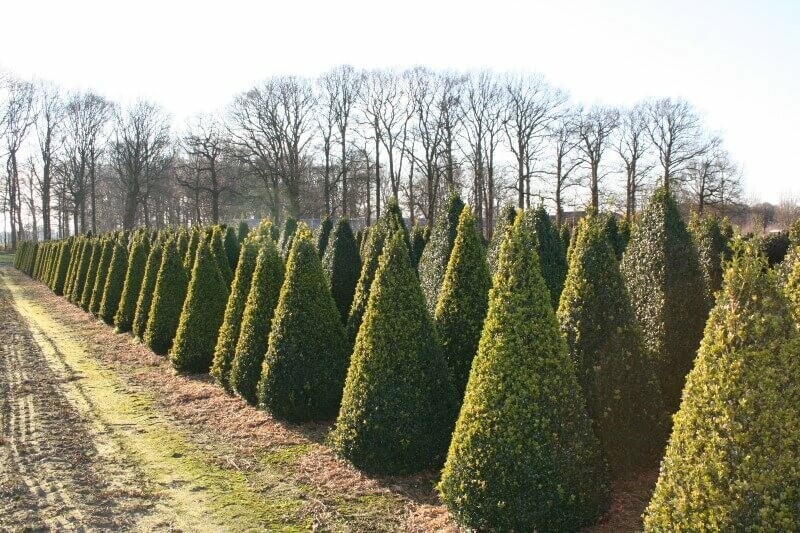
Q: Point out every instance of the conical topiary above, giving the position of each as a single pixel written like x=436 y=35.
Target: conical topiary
x=434 y=258
x=304 y=367
x=504 y=222
x=462 y=301
x=112 y=293
x=523 y=455
x=201 y=316
x=417 y=244
x=666 y=287
x=91 y=273
x=712 y=249
x=83 y=269
x=145 y=298
x=195 y=236
x=552 y=256
x=323 y=235
x=74 y=253
x=218 y=250
x=62 y=264
x=169 y=293
x=234 y=309
x=373 y=249
x=732 y=460
x=605 y=344
x=612 y=231
x=342 y=264
x=262 y=298
x=134 y=276
x=242 y=232
x=231 y=244
x=792 y=286
x=398 y=405
x=101 y=276
x=285 y=242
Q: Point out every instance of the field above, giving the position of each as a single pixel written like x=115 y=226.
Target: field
x=98 y=430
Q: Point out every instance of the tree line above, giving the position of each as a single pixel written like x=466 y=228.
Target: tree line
x=342 y=144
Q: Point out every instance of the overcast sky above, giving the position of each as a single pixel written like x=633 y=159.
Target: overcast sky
x=736 y=60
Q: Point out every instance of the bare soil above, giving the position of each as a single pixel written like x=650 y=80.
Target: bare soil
x=100 y=433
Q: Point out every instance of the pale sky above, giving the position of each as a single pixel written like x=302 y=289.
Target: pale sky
x=736 y=60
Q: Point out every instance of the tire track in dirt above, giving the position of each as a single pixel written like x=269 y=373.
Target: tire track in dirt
x=52 y=475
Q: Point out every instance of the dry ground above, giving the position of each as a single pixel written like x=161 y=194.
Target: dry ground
x=99 y=433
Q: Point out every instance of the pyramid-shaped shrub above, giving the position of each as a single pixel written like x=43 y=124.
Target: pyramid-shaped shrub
x=552 y=256
x=262 y=298
x=115 y=281
x=145 y=299
x=508 y=214
x=74 y=253
x=231 y=244
x=342 y=264
x=436 y=254
x=304 y=367
x=168 y=295
x=373 y=248
x=102 y=275
x=234 y=309
x=732 y=460
x=201 y=316
x=666 y=287
x=523 y=455
x=712 y=248
x=220 y=253
x=323 y=234
x=195 y=236
x=134 y=276
x=417 y=244
x=78 y=286
x=463 y=301
x=287 y=234
x=242 y=232
x=398 y=405
x=605 y=344
x=792 y=287
x=62 y=264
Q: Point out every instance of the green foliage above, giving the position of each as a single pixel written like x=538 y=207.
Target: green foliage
x=231 y=244
x=323 y=235
x=62 y=264
x=169 y=294
x=74 y=257
x=201 y=316
x=552 y=256
x=262 y=298
x=305 y=363
x=220 y=253
x=775 y=246
x=462 y=301
x=614 y=235
x=523 y=455
x=287 y=235
x=433 y=262
x=662 y=272
x=342 y=265
x=792 y=286
x=232 y=319
x=83 y=269
x=712 y=248
x=605 y=345
x=134 y=276
x=144 y=300
x=101 y=276
x=195 y=236
x=732 y=460
x=373 y=248
x=794 y=233
x=417 y=244
x=398 y=405
x=242 y=232
x=115 y=280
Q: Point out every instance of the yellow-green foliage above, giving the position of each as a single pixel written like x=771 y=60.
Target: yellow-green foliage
x=168 y=296
x=134 y=276
x=242 y=232
x=373 y=248
x=662 y=273
x=605 y=344
x=83 y=271
x=232 y=319
x=287 y=235
x=112 y=293
x=732 y=460
x=201 y=316
x=62 y=264
x=550 y=250
x=231 y=245
x=792 y=286
x=398 y=405
x=342 y=264
x=259 y=308
x=219 y=251
x=463 y=301
x=523 y=455
x=74 y=253
x=323 y=233
x=712 y=249
x=145 y=298
x=304 y=367
x=101 y=275
x=436 y=254
x=195 y=236
x=417 y=244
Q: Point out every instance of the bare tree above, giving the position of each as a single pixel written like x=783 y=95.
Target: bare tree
x=631 y=145
x=19 y=115
x=594 y=130
x=86 y=115
x=676 y=131
x=428 y=136
x=141 y=140
x=531 y=104
x=563 y=143
x=50 y=117
x=711 y=178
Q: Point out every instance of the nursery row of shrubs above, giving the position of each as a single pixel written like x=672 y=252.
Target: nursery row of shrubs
x=534 y=368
